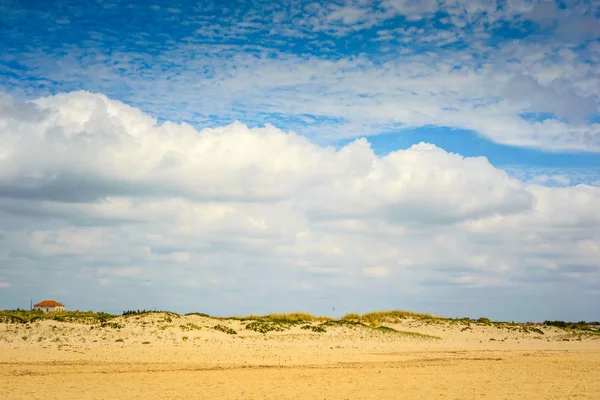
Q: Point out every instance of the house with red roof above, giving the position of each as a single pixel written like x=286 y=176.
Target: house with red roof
x=49 y=306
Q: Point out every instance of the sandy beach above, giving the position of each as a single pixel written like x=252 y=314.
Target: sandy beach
x=166 y=356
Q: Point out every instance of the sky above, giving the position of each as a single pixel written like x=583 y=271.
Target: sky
x=229 y=157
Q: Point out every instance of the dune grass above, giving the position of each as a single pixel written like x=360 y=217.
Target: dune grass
x=279 y=322
x=130 y=313
x=283 y=318
x=225 y=329
x=378 y=317
x=375 y=327
x=28 y=316
x=386 y=329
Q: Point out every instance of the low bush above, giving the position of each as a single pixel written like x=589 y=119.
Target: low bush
x=29 y=316
x=265 y=326
x=225 y=329
x=112 y=325
x=314 y=328
x=558 y=324
x=198 y=314
x=190 y=327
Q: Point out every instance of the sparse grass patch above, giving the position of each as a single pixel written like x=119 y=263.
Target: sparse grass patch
x=190 y=327
x=376 y=318
x=198 y=314
x=314 y=328
x=267 y=326
x=112 y=325
x=344 y=322
x=387 y=329
x=291 y=318
x=225 y=329
x=351 y=317
x=536 y=330
x=144 y=312
x=283 y=318
x=29 y=316
x=384 y=329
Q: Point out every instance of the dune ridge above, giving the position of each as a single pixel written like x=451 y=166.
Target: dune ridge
x=295 y=355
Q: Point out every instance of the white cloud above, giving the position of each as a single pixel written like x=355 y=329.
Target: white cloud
x=127 y=272
x=104 y=194
x=376 y=272
x=559 y=179
x=4 y=285
x=418 y=81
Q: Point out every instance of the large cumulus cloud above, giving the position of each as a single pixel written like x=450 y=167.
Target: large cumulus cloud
x=105 y=197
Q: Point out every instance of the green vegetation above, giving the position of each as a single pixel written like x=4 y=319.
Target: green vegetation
x=378 y=317
x=29 y=316
x=377 y=321
x=352 y=323
x=283 y=322
x=314 y=328
x=536 y=330
x=144 y=312
x=558 y=324
x=581 y=328
x=225 y=329
x=199 y=314
x=385 y=329
x=267 y=326
x=344 y=322
x=112 y=325
x=294 y=318
x=288 y=318
x=569 y=325
x=190 y=327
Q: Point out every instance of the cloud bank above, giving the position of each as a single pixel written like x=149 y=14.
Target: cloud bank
x=97 y=197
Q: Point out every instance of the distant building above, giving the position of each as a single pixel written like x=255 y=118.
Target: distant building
x=49 y=306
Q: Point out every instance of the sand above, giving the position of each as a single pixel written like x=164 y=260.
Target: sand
x=157 y=356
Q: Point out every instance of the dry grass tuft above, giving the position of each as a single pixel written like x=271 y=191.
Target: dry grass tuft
x=376 y=318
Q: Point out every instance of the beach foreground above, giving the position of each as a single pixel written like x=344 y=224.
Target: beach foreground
x=165 y=356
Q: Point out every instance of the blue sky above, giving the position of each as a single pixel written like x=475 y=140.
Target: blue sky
x=196 y=62
x=497 y=87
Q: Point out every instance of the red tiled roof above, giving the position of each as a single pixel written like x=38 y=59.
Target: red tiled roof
x=49 y=303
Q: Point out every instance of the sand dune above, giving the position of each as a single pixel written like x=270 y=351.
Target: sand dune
x=166 y=356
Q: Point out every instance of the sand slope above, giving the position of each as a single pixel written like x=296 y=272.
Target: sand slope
x=157 y=356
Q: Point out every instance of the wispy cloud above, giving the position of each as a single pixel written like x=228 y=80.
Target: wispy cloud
x=462 y=71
